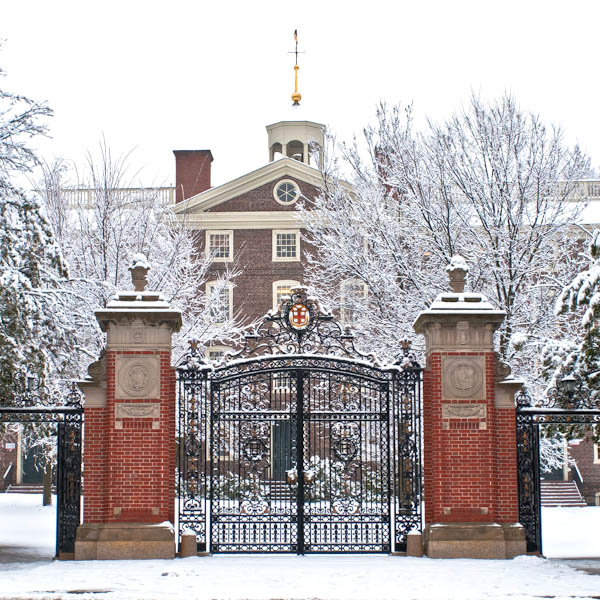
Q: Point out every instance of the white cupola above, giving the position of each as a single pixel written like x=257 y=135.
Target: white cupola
x=297 y=140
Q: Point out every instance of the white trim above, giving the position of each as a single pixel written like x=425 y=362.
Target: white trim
x=296 y=187
x=597 y=498
x=227 y=232
x=596 y=454
x=229 y=287
x=244 y=220
x=284 y=167
x=275 y=219
x=280 y=283
x=271 y=172
x=277 y=232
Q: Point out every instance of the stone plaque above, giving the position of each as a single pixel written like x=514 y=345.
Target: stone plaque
x=463 y=378
x=464 y=411
x=138 y=377
x=150 y=410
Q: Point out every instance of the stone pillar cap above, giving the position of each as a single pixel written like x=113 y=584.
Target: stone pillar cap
x=464 y=305
x=464 y=301
x=138 y=303
x=458 y=302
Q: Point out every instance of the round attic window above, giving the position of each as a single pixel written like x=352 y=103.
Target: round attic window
x=286 y=192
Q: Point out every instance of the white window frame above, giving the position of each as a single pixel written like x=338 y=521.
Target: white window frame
x=229 y=287
x=343 y=311
x=298 y=192
x=597 y=454
x=227 y=232
x=277 y=232
x=223 y=349
x=291 y=283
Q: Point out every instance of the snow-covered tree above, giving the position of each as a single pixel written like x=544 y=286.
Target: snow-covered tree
x=101 y=223
x=492 y=184
x=32 y=270
x=580 y=298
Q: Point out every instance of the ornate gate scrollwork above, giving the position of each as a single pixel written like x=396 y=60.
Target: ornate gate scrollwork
x=66 y=419
x=305 y=444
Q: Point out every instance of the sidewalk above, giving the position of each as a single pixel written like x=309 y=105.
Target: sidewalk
x=261 y=577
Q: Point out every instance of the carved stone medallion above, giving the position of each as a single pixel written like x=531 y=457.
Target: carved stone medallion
x=137 y=334
x=138 y=377
x=463 y=378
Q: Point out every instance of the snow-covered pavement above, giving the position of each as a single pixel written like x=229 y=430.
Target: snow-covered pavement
x=30 y=573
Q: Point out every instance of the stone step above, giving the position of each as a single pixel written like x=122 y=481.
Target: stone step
x=27 y=488
x=560 y=493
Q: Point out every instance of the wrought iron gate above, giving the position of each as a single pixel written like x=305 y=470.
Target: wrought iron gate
x=567 y=409
x=68 y=418
x=296 y=445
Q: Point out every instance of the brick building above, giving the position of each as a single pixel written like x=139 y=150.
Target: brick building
x=253 y=218
x=585 y=454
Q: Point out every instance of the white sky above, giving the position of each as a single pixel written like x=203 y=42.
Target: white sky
x=164 y=75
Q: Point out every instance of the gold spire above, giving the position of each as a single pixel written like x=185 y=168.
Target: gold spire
x=296 y=96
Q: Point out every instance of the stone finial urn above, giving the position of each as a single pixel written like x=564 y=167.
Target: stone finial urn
x=457 y=271
x=139 y=272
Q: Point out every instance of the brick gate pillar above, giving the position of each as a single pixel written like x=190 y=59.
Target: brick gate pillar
x=129 y=430
x=469 y=429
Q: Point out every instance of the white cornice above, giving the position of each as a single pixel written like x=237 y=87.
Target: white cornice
x=284 y=167
x=276 y=219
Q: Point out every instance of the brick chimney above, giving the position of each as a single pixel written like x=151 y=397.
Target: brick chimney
x=192 y=172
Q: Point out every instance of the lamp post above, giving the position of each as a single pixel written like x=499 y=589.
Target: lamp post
x=570 y=392
x=567 y=385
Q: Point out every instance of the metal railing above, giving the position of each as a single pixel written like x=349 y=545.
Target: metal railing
x=86 y=198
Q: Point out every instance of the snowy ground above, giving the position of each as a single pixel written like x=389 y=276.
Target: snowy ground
x=26 y=571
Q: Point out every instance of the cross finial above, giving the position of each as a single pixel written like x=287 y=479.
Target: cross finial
x=296 y=96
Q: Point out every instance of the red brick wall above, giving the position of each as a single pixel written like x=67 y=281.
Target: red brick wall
x=130 y=469
x=94 y=465
x=253 y=291
x=467 y=469
x=262 y=199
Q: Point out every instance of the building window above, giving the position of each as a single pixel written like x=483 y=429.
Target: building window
x=596 y=454
x=219 y=297
x=280 y=382
x=216 y=353
x=282 y=288
x=352 y=294
x=286 y=192
x=286 y=245
x=220 y=245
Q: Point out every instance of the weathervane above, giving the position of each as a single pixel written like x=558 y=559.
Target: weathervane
x=296 y=96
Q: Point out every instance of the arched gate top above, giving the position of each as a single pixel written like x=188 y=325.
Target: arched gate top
x=300 y=326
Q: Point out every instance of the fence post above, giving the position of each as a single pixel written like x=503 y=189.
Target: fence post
x=129 y=436
x=469 y=429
